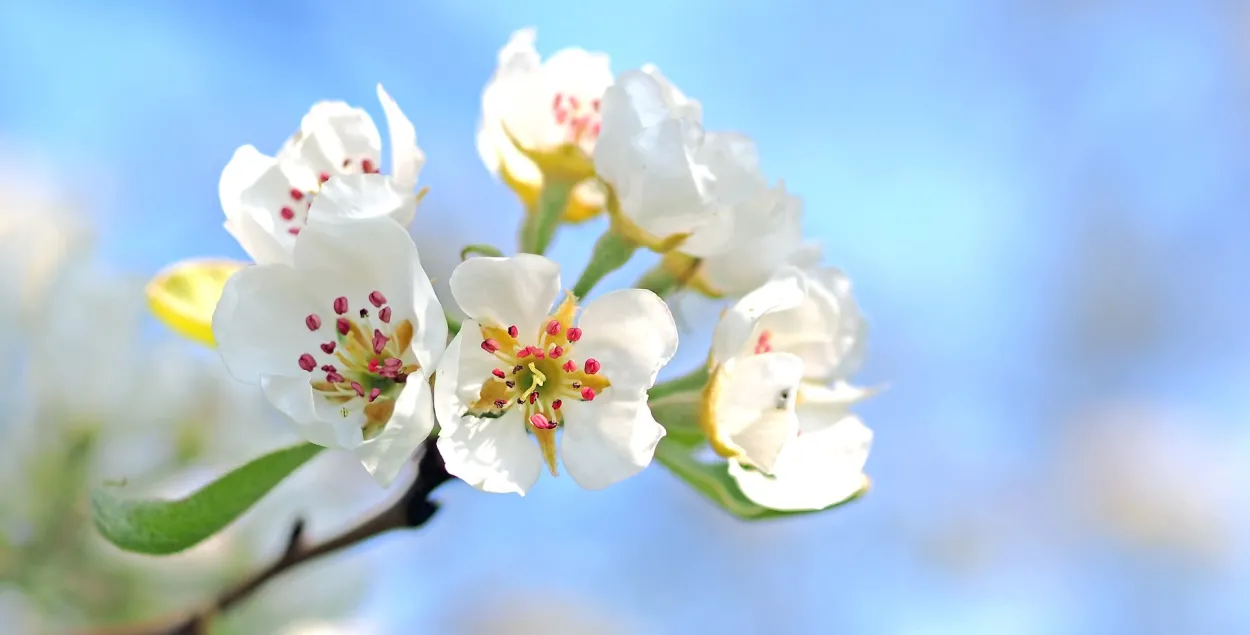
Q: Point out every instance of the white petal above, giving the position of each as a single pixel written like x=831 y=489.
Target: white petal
x=826 y=329
x=631 y=333
x=608 y=440
x=352 y=196
x=754 y=406
x=814 y=471
x=736 y=330
x=334 y=132
x=492 y=455
x=519 y=290
x=407 y=159
x=293 y=396
x=768 y=235
x=645 y=150
x=252 y=190
x=413 y=420
x=259 y=323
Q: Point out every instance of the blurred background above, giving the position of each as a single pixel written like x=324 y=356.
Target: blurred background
x=1044 y=206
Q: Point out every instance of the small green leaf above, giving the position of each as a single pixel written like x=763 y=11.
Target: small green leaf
x=162 y=527
x=714 y=482
x=679 y=414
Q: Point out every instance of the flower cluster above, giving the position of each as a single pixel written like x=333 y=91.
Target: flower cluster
x=337 y=320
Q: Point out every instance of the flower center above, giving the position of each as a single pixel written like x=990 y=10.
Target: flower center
x=364 y=363
x=580 y=118
x=764 y=343
x=294 y=213
x=538 y=373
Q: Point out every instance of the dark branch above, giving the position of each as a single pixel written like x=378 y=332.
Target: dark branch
x=413 y=509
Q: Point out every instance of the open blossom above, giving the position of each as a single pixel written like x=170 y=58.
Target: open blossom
x=343 y=340
x=651 y=150
x=268 y=200
x=777 y=404
x=547 y=107
x=517 y=368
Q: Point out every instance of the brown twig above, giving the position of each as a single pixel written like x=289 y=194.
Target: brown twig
x=413 y=509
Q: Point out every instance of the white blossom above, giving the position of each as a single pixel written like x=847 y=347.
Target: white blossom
x=343 y=340
x=517 y=367
x=544 y=106
x=268 y=200
x=778 y=403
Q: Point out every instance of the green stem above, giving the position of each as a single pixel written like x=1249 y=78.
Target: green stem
x=479 y=250
x=694 y=380
x=453 y=326
x=611 y=252
x=541 y=222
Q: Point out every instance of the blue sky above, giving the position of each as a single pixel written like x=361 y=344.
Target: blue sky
x=955 y=158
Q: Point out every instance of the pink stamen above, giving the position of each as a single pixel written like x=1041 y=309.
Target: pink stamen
x=523 y=353
x=500 y=403
x=512 y=331
x=553 y=327
x=385 y=315
x=343 y=326
x=294 y=231
x=569 y=366
x=490 y=346
x=307 y=362
x=328 y=348
x=323 y=177
x=334 y=377
x=296 y=195
x=377 y=299
x=538 y=352
x=555 y=405
x=592 y=366
x=574 y=334
x=340 y=305
x=588 y=393
x=533 y=397
x=374 y=394
x=329 y=368
x=540 y=421
x=313 y=321
x=360 y=390
x=557 y=351
x=367 y=166
x=498 y=373
x=286 y=213
x=379 y=341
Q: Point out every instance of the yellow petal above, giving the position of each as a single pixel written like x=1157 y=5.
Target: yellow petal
x=185 y=294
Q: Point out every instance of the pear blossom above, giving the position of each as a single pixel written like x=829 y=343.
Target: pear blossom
x=344 y=339
x=268 y=200
x=777 y=403
x=653 y=152
x=545 y=106
x=517 y=367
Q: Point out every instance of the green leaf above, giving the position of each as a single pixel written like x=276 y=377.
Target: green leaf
x=714 y=482
x=162 y=527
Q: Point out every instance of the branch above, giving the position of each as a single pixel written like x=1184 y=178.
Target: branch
x=413 y=509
